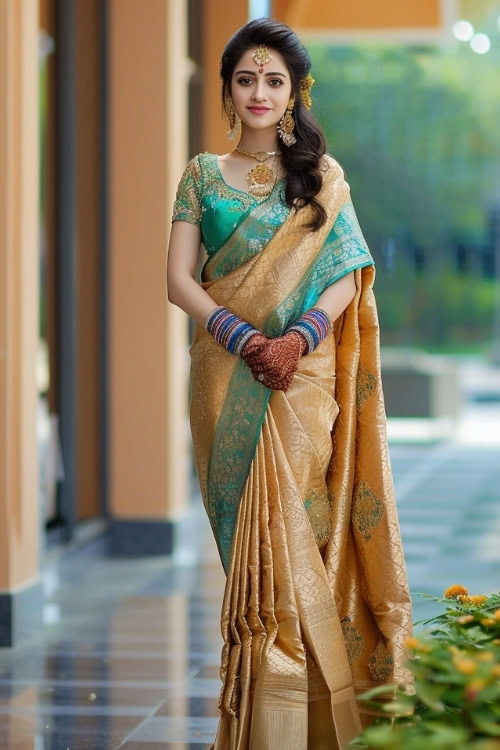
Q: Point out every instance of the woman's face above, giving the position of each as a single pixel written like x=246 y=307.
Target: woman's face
x=260 y=99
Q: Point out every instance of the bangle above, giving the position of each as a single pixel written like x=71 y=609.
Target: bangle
x=229 y=330
x=314 y=325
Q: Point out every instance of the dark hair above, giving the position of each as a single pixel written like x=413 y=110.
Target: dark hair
x=302 y=160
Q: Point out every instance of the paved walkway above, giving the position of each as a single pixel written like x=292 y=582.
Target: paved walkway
x=129 y=654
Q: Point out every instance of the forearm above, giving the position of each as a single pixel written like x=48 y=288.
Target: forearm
x=187 y=294
x=337 y=296
x=227 y=328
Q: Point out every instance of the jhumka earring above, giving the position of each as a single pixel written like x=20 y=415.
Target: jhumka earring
x=234 y=120
x=306 y=85
x=286 y=126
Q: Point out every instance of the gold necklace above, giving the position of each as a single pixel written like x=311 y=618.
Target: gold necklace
x=261 y=179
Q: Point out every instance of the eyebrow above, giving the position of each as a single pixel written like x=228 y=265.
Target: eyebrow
x=252 y=72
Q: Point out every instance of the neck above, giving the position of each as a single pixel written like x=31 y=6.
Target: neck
x=259 y=140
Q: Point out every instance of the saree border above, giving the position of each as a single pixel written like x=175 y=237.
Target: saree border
x=212 y=266
x=238 y=426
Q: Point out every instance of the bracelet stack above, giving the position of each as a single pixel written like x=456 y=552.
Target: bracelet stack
x=314 y=325
x=229 y=330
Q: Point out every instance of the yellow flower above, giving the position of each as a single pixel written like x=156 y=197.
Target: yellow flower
x=464 y=619
x=496 y=614
x=495 y=670
x=454 y=650
x=478 y=599
x=486 y=656
x=487 y=621
x=453 y=591
x=464 y=664
x=464 y=598
x=473 y=688
x=411 y=642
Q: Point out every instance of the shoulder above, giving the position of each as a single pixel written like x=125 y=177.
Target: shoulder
x=334 y=173
x=193 y=168
x=200 y=166
x=331 y=165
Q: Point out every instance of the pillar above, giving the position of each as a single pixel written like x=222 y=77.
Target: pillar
x=148 y=429
x=20 y=601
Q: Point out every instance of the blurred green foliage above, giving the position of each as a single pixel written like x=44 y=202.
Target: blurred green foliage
x=456 y=700
x=416 y=131
x=435 y=310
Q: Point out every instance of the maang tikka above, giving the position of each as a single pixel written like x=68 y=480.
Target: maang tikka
x=262 y=56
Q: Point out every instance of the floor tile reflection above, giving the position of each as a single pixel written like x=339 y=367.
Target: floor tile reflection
x=176 y=729
x=132 y=660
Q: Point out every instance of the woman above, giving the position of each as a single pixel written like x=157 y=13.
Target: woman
x=287 y=413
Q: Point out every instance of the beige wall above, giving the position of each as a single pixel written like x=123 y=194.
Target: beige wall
x=19 y=174
x=220 y=22
x=357 y=14
x=148 y=336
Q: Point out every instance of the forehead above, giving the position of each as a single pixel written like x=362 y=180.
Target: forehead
x=246 y=61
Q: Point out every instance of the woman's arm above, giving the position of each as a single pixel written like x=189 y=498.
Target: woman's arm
x=182 y=288
x=337 y=296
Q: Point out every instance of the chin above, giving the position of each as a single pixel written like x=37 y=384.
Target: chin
x=260 y=125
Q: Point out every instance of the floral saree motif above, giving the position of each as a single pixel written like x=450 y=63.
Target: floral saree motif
x=297 y=485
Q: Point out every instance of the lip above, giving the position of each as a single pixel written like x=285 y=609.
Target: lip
x=259 y=110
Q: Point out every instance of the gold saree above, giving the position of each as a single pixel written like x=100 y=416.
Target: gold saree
x=299 y=492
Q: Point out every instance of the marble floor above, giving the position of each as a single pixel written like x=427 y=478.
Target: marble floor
x=129 y=651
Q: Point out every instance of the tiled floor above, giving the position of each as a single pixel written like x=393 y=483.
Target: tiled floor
x=128 y=657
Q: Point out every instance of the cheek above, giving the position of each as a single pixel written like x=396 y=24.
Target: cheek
x=238 y=93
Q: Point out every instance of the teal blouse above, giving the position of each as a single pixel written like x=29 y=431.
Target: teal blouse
x=204 y=198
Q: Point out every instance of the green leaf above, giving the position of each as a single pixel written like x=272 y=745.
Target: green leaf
x=430 y=695
x=389 y=689
x=398 y=707
x=484 y=721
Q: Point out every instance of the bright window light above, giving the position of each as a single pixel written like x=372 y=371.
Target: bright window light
x=480 y=43
x=463 y=30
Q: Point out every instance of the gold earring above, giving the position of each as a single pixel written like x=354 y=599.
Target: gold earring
x=234 y=120
x=286 y=126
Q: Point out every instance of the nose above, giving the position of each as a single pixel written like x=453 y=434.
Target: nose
x=259 y=92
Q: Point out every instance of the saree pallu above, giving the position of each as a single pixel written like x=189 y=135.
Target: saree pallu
x=298 y=489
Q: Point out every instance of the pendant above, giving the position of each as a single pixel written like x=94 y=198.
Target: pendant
x=261 y=180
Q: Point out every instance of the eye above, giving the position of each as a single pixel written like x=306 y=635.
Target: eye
x=241 y=80
x=276 y=80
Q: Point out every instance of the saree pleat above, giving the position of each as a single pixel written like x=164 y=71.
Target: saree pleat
x=298 y=489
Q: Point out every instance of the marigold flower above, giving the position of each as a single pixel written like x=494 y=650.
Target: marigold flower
x=411 y=642
x=464 y=664
x=496 y=614
x=495 y=670
x=486 y=656
x=487 y=621
x=464 y=598
x=473 y=688
x=478 y=599
x=464 y=619
x=454 y=650
x=453 y=591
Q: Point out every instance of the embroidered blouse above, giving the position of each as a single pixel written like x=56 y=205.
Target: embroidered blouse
x=236 y=225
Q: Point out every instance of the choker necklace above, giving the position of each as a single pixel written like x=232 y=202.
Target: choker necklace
x=261 y=179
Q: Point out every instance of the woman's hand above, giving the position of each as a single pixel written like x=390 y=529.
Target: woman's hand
x=273 y=362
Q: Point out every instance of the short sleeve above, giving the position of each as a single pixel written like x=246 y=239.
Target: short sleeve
x=187 y=204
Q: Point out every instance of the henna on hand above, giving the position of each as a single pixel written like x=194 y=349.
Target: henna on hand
x=274 y=361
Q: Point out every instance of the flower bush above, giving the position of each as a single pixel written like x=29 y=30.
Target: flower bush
x=456 y=699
